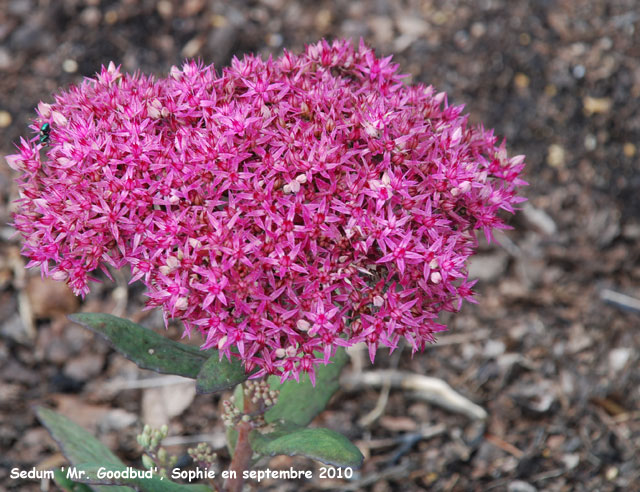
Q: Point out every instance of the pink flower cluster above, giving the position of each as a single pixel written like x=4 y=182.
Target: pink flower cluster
x=282 y=208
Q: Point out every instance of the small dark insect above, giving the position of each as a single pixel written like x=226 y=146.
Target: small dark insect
x=45 y=130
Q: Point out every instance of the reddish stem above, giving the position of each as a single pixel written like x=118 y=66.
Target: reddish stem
x=241 y=460
x=243 y=453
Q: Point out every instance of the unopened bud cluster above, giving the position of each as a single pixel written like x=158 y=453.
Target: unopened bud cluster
x=258 y=397
x=151 y=438
x=230 y=413
x=260 y=394
x=203 y=455
x=156 y=456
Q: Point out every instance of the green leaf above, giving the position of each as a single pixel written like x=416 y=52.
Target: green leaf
x=77 y=444
x=299 y=403
x=320 y=444
x=150 y=350
x=68 y=485
x=218 y=375
x=153 y=483
x=232 y=439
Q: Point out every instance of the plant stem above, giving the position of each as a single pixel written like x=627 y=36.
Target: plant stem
x=241 y=460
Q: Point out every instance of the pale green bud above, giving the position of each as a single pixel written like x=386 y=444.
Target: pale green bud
x=147 y=461
x=143 y=440
x=162 y=455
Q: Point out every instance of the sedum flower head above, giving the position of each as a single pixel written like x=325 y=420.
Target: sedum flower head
x=281 y=208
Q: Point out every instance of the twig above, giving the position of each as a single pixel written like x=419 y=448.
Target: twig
x=504 y=445
x=156 y=382
x=216 y=440
x=433 y=390
x=500 y=483
x=622 y=301
x=423 y=433
x=613 y=427
x=408 y=441
x=557 y=472
x=481 y=334
x=625 y=417
x=383 y=399
x=625 y=19
x=24 y=303
x=121 y=293
x=356 y=353
x=378 y=410
x=508 y=245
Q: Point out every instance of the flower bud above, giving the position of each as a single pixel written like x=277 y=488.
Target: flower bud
x=222 y=342
x=292 y=351
x=303 y=325
x=44 y=109
x=147 y=462
x=182 y=303
x=162 y=455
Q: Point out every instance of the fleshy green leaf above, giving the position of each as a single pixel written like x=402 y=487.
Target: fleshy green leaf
x=143 y=484
x=218 y=375
x=232 y=439
x=238 y=397
x=320 y=444
x=68 y=485
x=299 y=403
x=150 y=350
x=77 y=444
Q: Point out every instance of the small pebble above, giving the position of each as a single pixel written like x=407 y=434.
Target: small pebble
x=618 y=358
x=111 y=17
x=274 y=39
x=439 y=17
x=5 y=119
x=91 y=17
x=70 y=66
x=629 y=149
x=556 y=156
x=596 y=105
x=571 y=460
x=520 y=486
x=218 y=21
x=192 y=47
x=521 y=80
x=590 y=142
x=323 y=19
x=5 y=59
x=612 y=473
x=478 y=29
x=165 y=8
x=578 y=71
x=493 y=348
